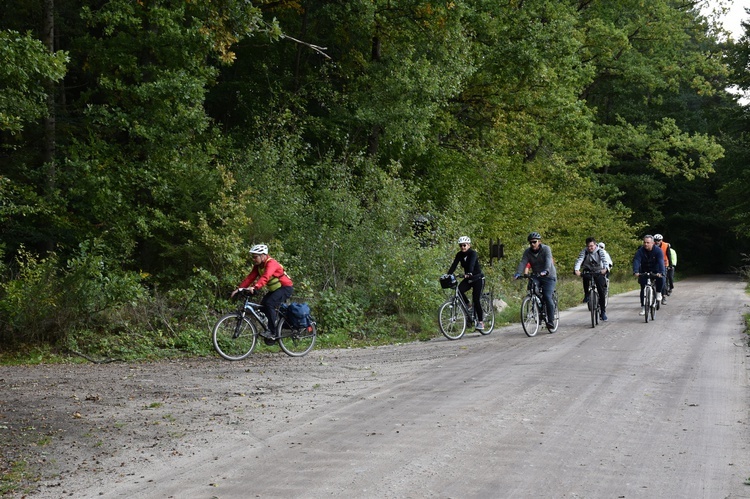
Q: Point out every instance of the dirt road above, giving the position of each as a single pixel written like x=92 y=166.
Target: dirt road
x=626 y=410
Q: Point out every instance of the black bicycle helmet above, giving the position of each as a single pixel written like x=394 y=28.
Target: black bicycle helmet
x=534 y=235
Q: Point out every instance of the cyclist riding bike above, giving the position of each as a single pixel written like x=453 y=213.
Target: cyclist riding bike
x=592 y=258
x=473 y=276
x=607 y=257
x=539 y=256
x=664 y=247
x=269 y=273
x=648 y=258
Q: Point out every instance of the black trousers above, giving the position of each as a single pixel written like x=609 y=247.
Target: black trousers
x=601 y=286
x=271 y=302
x=476 y=284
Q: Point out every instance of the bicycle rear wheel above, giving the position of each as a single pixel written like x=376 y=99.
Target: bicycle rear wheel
x=606 y=294
x=234 y=337
x=488 y=309
x=556 y=318
x=296 y=341
x=530 y=316
x=452 y=320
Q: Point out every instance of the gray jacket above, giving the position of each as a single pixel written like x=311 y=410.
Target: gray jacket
x=595 y=261
x=540 y=261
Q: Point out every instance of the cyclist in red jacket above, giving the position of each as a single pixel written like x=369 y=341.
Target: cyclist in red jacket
x=269 y=273
x=664 y=247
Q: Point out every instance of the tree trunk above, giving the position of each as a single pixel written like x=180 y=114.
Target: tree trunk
x=48 y=35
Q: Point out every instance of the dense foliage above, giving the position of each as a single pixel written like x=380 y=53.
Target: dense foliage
x=147 y=145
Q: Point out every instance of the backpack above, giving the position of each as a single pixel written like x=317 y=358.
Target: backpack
x=297 y=314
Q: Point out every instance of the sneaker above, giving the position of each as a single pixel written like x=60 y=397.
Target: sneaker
x=664 y=299
x=658 y=296
x=480 y=325
x=643 y=311
x=604 y=317
x=267 y=334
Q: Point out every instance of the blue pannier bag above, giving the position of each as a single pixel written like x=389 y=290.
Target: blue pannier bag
x=298 y=314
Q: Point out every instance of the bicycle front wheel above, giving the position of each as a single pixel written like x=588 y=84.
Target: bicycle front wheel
x=488 y=309
x=592 y=307
x=296 y=341
x=647 y=301
x=530 y=316
x=452 y=320
x=234 y=337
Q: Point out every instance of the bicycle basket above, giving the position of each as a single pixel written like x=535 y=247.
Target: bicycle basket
x=447 y=281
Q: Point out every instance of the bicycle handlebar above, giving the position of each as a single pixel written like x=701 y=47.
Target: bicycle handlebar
x=590 y=272
x=529 y=276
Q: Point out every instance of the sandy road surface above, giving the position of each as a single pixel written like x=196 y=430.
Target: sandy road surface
x=626 y=410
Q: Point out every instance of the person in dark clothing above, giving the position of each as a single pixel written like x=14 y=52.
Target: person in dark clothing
x=648 y=258
x=473 y=276
x=540 y=257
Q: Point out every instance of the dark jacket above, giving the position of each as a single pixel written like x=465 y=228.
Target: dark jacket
x=649 y=261
x=469 y=260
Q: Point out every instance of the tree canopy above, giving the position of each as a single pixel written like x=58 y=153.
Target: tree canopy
x=187 y=131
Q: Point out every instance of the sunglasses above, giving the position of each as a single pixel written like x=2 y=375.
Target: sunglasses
x=463 y=245
x=533 y=242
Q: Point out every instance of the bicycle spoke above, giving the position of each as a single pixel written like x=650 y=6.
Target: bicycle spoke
x=234 y=337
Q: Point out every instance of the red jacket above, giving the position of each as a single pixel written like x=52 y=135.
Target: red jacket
x=271 y=273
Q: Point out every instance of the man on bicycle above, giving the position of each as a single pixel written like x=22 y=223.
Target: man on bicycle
x=664 y=247
x=473 y=277
x=540 y=257
x=269 y=273
x=607 y=257
x=648 y=258
x=592 y=259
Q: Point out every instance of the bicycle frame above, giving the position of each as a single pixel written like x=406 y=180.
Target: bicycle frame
x=534 y=309
x=255 y=310
x=455 y=313
x=649 y=294
x=592 y=292
x=236 y=334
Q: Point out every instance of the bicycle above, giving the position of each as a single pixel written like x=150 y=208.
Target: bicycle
x=649 y=294
x=235 y=335
x=595 y=306
x=667 y=291
x=454 y=314
x=534 y=310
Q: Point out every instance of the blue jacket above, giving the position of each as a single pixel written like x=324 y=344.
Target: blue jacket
x=649 y=261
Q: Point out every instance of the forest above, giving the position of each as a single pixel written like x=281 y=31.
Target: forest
x=146 y=145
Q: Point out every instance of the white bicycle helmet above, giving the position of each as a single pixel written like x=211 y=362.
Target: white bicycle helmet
x=658 y=237
x=259 y=249
x=464 y=240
